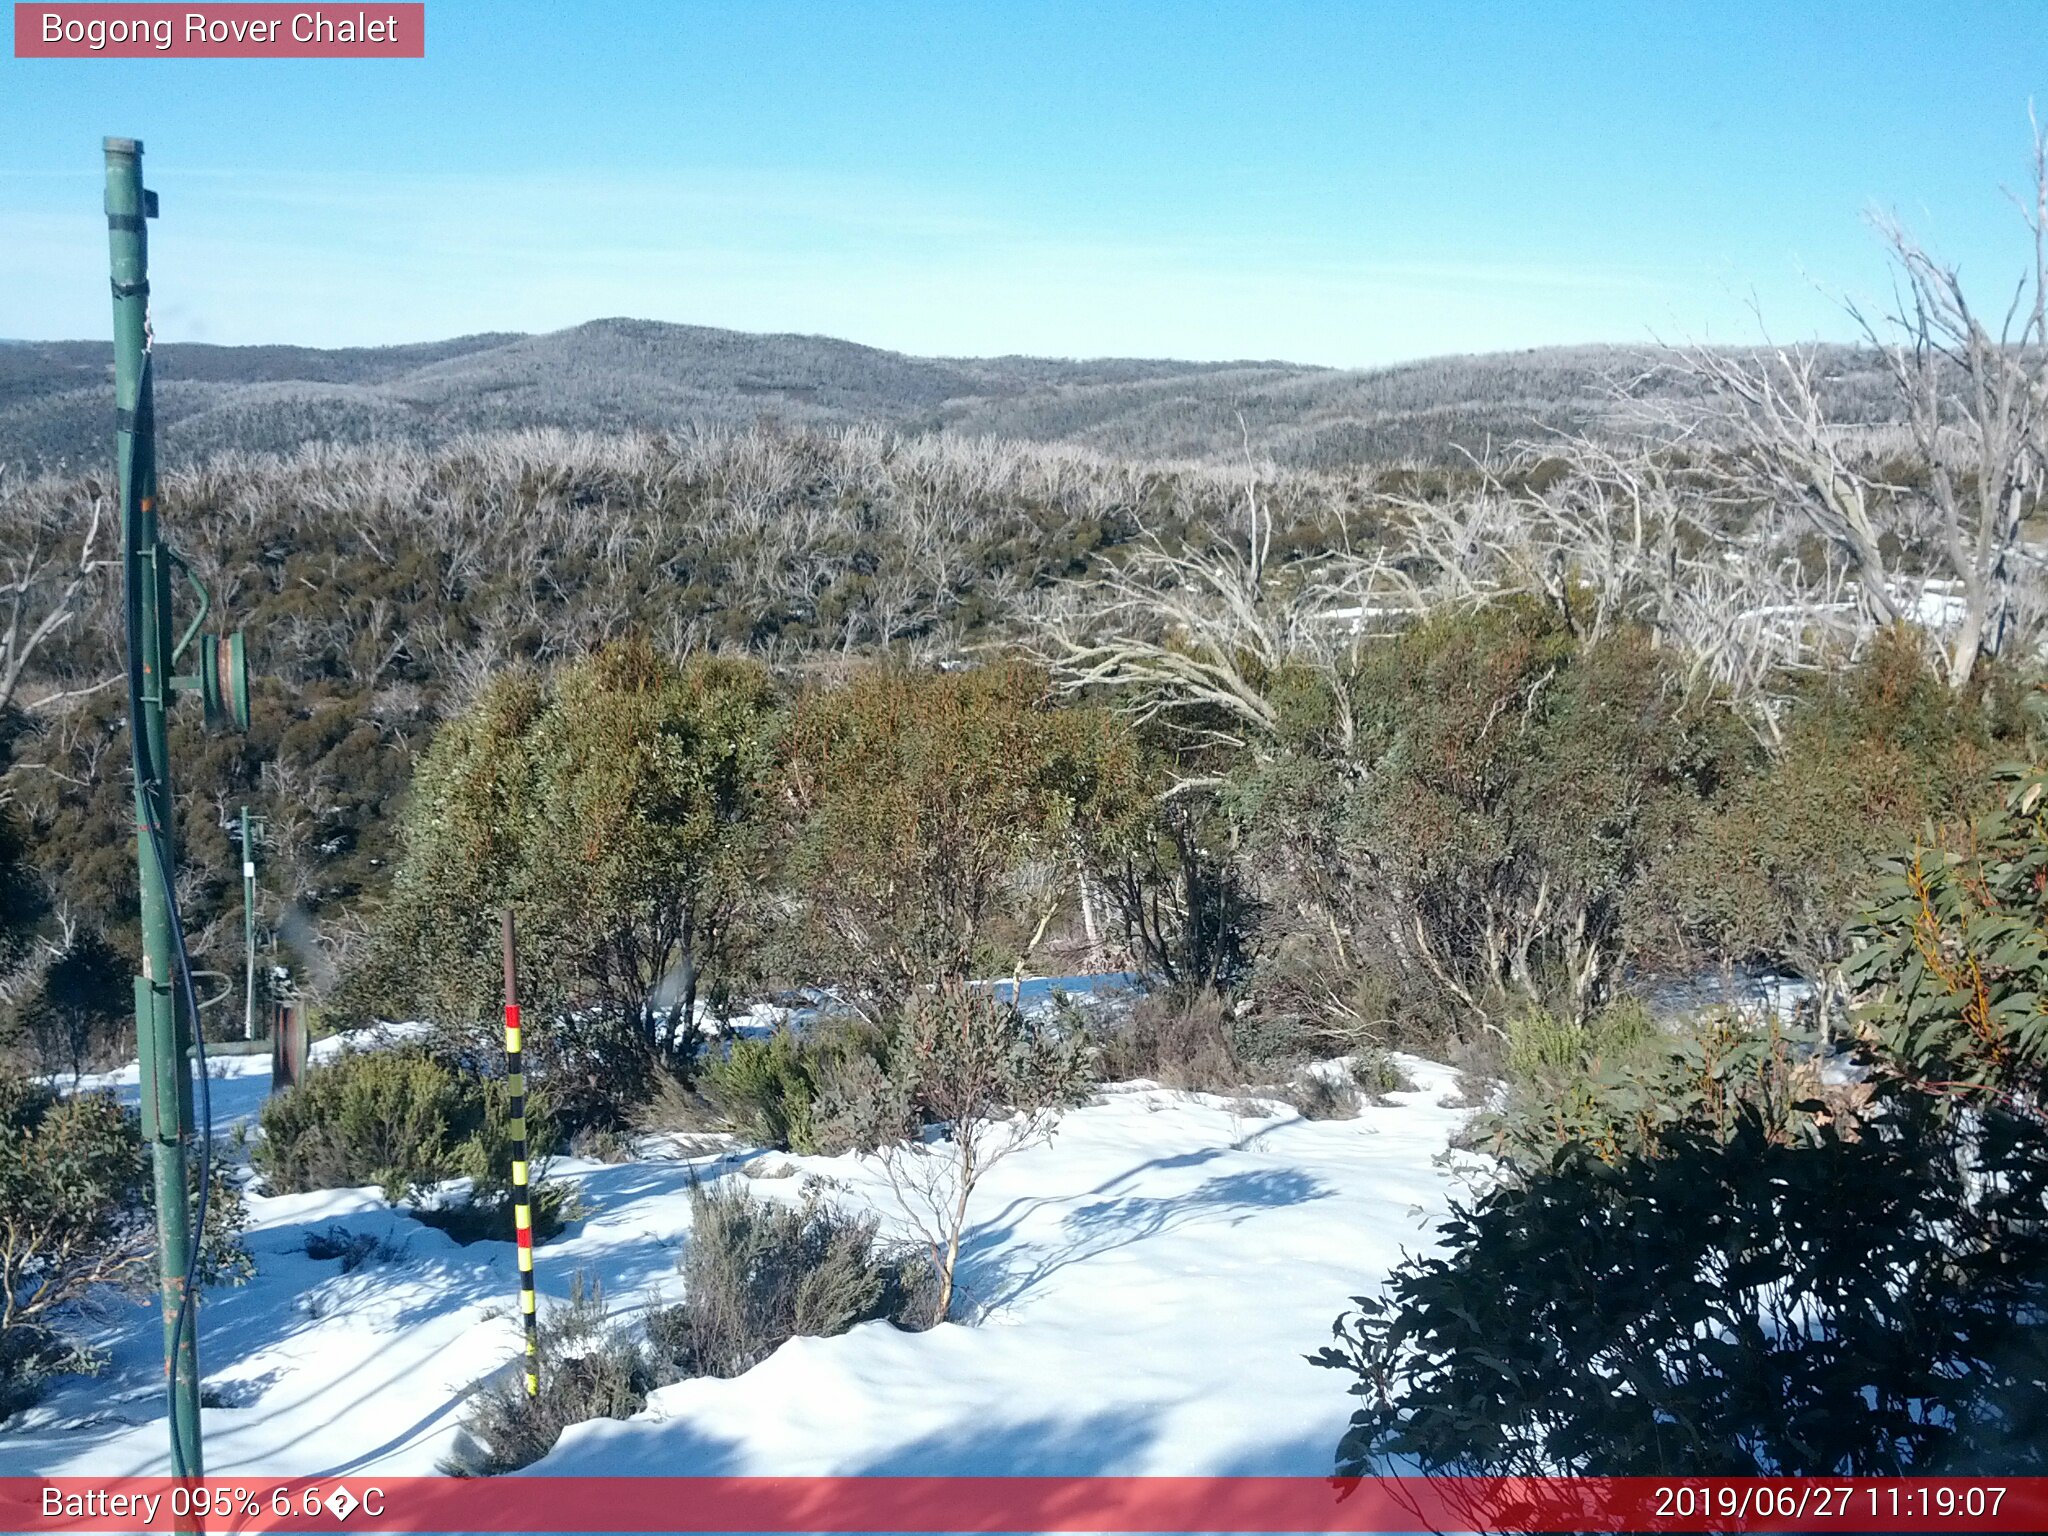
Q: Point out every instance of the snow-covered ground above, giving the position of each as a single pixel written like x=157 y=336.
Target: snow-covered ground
x=1148 y=1285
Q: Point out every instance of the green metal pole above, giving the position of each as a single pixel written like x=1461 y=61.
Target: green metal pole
x=163 y=1036
x=248 y=929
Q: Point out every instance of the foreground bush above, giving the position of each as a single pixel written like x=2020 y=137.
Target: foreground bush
x=758 y=1273
x=75 y=1192
x=589 y=1368
x=1865 y=1301
x=77 y=1230
x=1722 y=1265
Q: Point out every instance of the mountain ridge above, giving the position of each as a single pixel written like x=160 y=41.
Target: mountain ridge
x=619 y=373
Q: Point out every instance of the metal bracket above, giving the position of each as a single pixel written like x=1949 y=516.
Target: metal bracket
x=205 y=602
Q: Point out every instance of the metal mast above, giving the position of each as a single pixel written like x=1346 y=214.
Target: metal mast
x=164 y=1029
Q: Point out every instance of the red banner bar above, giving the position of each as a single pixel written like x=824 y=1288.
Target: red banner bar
x=372 y=30
x=1022 y=1504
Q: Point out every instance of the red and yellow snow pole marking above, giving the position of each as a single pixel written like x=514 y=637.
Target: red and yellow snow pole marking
x=522 y=1208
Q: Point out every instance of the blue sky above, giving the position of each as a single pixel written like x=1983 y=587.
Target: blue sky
x=1343 y=183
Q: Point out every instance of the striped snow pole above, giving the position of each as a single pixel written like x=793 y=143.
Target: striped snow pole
x=522 y=1208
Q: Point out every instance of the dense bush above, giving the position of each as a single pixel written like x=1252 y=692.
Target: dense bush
x=324 y=765
x=1864 y=1300
x=1710 y=1071
x=379 y=583
x=614 y=806
x=1721 y=1263
x=75 y=1189
x=938 y=819
x=1473 y=852
x=1541 y=1045
x=758 y=1273
x=1518 y=782
x=1186 y=906
x=405 y=1121
x=21 y=905
x=78 y=1229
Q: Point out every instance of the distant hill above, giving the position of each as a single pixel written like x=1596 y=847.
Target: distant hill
x=56 y=407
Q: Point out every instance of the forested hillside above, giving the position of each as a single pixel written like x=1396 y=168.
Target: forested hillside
x=614 y=375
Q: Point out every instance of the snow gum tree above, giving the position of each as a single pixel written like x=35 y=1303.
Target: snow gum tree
x=616 y=807
x=928 y=809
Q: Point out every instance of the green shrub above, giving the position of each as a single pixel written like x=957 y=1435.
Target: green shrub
x=791 y=1089
x=393 y=1118
x=763 y=1087
x=406 y=1122
x=1720 y=1067
x=758 y=1273
x=1473 y=853
x=78 y=1229
x=675 y=1104
x=484 y=1156
x=1863 y=1300
x=1542 y=1048
x=79 y=1015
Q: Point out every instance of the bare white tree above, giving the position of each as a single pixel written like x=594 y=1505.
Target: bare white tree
x=1607 y=532
x=1972 y=392
x=49 y=569
x=1200 y=633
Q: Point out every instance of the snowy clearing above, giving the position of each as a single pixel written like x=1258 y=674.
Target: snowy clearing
x=1148 y=1283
